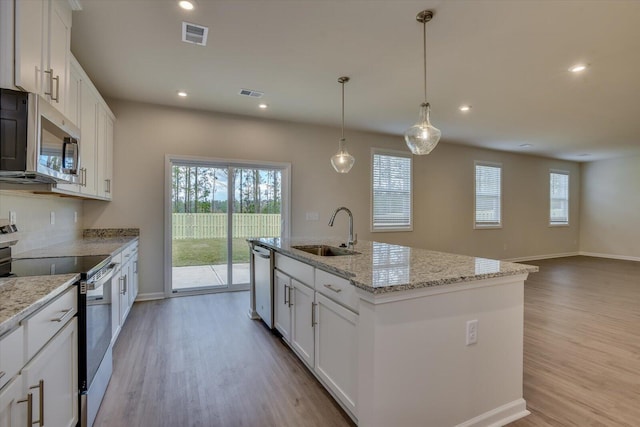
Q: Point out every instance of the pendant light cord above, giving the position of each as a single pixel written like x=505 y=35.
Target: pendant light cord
x=342 y=109
x=424 y=46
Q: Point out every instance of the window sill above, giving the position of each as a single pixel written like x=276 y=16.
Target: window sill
x=390 y=230
x=559 y=225
x=487 y=227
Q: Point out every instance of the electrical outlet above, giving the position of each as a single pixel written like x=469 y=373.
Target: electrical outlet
x=472 y=332
x=12 y=217
x=53 y=218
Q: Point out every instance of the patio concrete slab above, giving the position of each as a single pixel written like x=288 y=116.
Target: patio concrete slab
x=200 y=276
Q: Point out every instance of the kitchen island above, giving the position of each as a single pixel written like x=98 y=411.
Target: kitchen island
x=405 y=336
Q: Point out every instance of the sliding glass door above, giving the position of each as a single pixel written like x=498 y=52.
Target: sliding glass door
x=215 y=207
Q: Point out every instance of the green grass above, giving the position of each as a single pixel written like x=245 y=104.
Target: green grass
x=207 y=252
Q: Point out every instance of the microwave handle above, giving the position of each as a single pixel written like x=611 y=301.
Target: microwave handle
x=68 y=141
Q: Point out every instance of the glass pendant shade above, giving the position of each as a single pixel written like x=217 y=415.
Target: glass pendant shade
x=342 y=161
x=422 y=137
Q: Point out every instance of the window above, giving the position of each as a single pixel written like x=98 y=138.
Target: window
x=488 y=195
x=558 y=198
x=391 y=191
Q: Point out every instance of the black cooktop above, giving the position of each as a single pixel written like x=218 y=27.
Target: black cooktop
x=23 y=267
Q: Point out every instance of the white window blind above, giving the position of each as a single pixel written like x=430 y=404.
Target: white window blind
x=488 y=198
x=559 y=198
x=391 y=192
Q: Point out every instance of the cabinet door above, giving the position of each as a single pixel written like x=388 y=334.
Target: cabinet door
x=115 y=305
x=282 y=304
x=124 y=292
x=109 y=157
x=31 y=28
x=59 y=48
x=13 y=404
x=336 y=351
x=89 y=139
x=105 y=153
x=302 y=320
x=133 y=285
x=52 y=377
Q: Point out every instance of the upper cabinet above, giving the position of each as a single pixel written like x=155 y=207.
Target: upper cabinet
x=42 y=39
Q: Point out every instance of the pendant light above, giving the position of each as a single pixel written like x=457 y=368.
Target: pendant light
x=422 y=137
x=342 y=161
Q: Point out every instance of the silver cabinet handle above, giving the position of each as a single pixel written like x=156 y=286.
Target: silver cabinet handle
x=313 y=314
x=286 y=290
x=290 y=303
x=40 y=385
x=121 y=280
x=29 y=401
x=135 y=267
x=333 y=288
x=57 y=79
x=126 y=283
x=50 y=72
x=66 y=312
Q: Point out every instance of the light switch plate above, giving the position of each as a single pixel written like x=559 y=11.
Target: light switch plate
x=12 y=217
x=53 y=218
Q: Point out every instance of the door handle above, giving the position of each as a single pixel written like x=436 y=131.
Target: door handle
x=29 y=402
x=40 y=386
x=313 y=314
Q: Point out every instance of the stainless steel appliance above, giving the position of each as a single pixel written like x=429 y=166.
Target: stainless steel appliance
x=94 y=317
x=39 y=144
x=262 y=264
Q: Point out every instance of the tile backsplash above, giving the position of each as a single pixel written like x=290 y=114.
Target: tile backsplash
x=33 y=218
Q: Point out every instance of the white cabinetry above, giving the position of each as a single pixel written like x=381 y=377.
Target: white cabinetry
x=52 y=378
x=124 y=287
x=96 y=124
x=45 y=390
x=42 y=39
x=302 y=321
x=320 y=323
x=282 y=304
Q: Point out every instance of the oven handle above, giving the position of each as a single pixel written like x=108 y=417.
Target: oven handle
x=104 y=278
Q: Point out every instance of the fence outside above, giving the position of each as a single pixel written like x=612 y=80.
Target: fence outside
x=214 y=225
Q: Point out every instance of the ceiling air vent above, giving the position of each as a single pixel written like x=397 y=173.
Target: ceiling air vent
x=196 y=34
x=251 y=93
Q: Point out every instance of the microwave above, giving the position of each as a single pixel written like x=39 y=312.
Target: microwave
x=38 y=144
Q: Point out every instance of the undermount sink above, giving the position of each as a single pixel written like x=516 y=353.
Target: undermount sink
x=325 y=250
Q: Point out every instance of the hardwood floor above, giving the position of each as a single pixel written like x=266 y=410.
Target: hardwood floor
x=582 y=343
x=199 y=361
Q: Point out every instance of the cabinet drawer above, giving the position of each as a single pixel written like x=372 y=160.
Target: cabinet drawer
x=11 y=355
x=337 y=289
x=296 y=269
x=42 y=326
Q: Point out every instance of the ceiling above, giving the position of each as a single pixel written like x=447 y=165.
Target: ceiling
x=509 y=60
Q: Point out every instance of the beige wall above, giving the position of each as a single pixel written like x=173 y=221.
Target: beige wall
x=610 y=210
x=33 y=219
x=443 y=190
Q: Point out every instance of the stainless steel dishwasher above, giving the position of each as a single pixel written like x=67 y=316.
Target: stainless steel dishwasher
x=263 y=283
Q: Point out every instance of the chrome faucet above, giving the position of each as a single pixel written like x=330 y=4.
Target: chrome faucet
x=352 y=241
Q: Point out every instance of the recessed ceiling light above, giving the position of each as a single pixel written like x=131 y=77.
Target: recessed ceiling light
x=263 y=106
x=465 y=108
x=182 y=93
x=186 y=5
x=578 y=68
x=526 y=145
x=584 y=155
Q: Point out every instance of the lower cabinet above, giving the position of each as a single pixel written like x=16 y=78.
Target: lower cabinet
x=336 y=358
x=51 y=379
x=14 y=404
x=282 y=304
x=321 y=331
x=124 y=287
x=302 y=321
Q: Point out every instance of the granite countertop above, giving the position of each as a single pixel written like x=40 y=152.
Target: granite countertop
x=381 y=267
x=22 y=296
x=85 y=246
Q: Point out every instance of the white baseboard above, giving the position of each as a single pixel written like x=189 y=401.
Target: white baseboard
x=150 y=296
x=611 y=256
x=499 y=416
x=537 y=257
